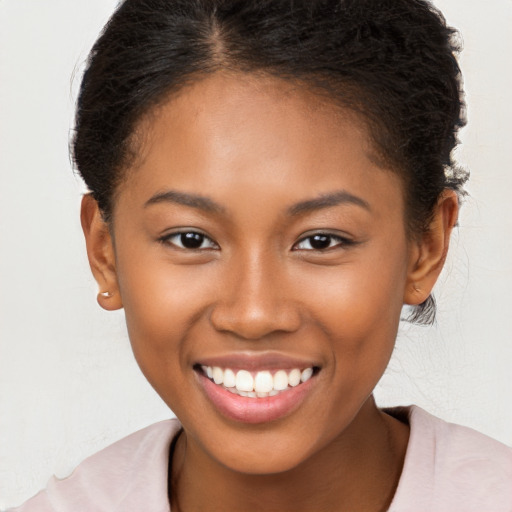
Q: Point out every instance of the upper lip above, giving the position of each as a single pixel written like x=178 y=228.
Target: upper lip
x=257 y=361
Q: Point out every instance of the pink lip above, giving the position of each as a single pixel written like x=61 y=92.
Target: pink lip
x=254 y=362
x=255 y=410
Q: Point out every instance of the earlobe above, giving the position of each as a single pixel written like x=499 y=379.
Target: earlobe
x=100 y=251
x=429 y=252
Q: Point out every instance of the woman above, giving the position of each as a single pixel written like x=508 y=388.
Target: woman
x=270 y=183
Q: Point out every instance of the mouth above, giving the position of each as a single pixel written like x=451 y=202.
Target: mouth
x=257 y=384
x=248 y=394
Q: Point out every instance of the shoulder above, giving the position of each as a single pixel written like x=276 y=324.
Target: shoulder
x=129 y=475
x=450 y=467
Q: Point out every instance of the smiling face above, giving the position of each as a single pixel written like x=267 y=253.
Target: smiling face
x=256 y=241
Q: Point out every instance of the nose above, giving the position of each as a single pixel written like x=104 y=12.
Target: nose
x=256 y=300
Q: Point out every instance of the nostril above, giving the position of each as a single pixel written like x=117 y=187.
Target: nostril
x=257 y=321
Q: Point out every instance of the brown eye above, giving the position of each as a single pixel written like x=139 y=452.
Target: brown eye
x=321 y=242
x=191 y=240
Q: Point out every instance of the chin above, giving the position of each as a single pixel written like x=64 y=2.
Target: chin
x=253 y=462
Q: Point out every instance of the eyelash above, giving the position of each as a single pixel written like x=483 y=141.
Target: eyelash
x=340 y=242
x=167 y=239
x=200 y=237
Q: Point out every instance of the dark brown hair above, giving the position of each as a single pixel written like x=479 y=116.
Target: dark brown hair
x=392 y=61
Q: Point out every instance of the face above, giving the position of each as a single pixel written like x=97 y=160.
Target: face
x=258 y=245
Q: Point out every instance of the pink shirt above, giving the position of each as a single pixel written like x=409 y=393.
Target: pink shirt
x=448 y=468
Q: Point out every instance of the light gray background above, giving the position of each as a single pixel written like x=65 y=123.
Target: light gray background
x=68 y=383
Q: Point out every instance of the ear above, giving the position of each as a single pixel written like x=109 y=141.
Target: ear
x=100 y=251
x=429 y=252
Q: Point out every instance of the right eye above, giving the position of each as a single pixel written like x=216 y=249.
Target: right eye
x=189 y=240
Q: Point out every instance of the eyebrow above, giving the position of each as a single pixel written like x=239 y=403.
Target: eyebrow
x=186 y=199
x=327 y=201
x=208 y=205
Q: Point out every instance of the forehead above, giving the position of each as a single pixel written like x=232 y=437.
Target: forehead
x=228 y=131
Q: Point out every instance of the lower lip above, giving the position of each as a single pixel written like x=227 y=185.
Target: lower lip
x=255 y=410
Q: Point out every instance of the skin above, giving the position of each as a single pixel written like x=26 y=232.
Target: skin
x=257 y=147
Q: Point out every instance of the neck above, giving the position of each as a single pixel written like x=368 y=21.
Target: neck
x=358 y=470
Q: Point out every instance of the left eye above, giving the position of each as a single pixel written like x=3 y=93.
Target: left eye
x=319 y=242
x=190 y=240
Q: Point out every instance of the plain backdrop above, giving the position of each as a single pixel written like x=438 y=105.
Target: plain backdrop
x=68 y=382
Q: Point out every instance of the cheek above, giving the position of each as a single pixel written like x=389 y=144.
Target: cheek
x=162 y=304
x=358 y=306
x=364 y=295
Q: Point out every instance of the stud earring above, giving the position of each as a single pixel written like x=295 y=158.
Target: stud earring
x=106 y=295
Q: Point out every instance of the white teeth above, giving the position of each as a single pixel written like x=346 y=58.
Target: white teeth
x=306 y=374
x=244 y=381
x=229 y=378
x=294 y=378
x=280 y=380
x=259 y=384
x=218 y=375
x=263 y=383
